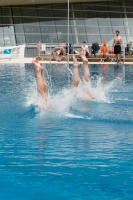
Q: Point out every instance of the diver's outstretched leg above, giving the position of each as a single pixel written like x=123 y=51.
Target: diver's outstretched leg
x=84 y=59
x=45 y=84
x=76 y=78
x=86 y=72
x=86 y=77
x=42 y=86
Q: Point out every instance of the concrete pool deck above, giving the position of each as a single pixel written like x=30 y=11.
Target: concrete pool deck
x=29 y=60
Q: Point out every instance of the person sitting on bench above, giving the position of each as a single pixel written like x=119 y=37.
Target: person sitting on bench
x=85 y=49
x=104 y=50
x=63 y=52
x=127 y=49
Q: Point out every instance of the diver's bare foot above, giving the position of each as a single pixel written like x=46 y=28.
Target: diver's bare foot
x=58 y=60
x=75 y=62
x=84 y=59
x=37 y=64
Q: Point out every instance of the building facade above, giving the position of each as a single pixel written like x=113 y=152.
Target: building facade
x=89 y=21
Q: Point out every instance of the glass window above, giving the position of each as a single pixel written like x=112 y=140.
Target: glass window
x=26 y=11
x=116 y=19
x=1 y=40
x=103 y=19
x=101 y=6
x=64 y=38
x=16 y=11
x=88 y=6
x=128 y=9
x=91 y=18
x=61 y=29
x=124 y=38
x=77 y=22
x=92 y=30
x=81 y=38
x=31 y=29
x=94 y=38
x=45 y=13
x=45 y=6
x=121 y=29
x=78 y=29
x=76 y=39
x=1 y=29
x=61 y=21
x=17 y=20
x=129 y=19
x=0 y=20
x=8 y=29
x=46 y=21
x=106 y=30
x=5 y=11
x=9 y=39
x=115 y=8
x=7 y=20
x=128 y=22
x=75 y=6
x=91 y=21
x=20 y=39
x=18 y=28
x=27 y=20
x=47 y=29
x=114 y=5
x=130 y=39
x=89 y=14
x=60 y=13
x=129 y=30
x=50 y=38
x=108 y=38
x=60 y=6
x=74 y=30
x=32 y=38
x=78 y=14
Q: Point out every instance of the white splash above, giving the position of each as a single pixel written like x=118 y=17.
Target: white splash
x=65 y=101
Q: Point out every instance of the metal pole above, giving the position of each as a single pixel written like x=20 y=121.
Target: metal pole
x=68 y=35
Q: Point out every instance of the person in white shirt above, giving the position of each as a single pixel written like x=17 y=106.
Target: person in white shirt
x=85 y=49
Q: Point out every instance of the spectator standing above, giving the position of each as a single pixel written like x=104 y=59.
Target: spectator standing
x=117 y=42
x=39 y=47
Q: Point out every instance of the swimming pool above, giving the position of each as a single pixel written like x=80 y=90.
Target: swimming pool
x=81 y=151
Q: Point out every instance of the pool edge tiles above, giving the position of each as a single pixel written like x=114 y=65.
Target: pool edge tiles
x=29 y=60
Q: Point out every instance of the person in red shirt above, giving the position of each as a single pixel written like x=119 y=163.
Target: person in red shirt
x=104 y=50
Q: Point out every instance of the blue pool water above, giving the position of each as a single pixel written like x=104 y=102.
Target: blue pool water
x=80 y=151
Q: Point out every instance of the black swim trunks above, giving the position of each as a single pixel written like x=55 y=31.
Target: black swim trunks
x=117 y=49
x=87 y=53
